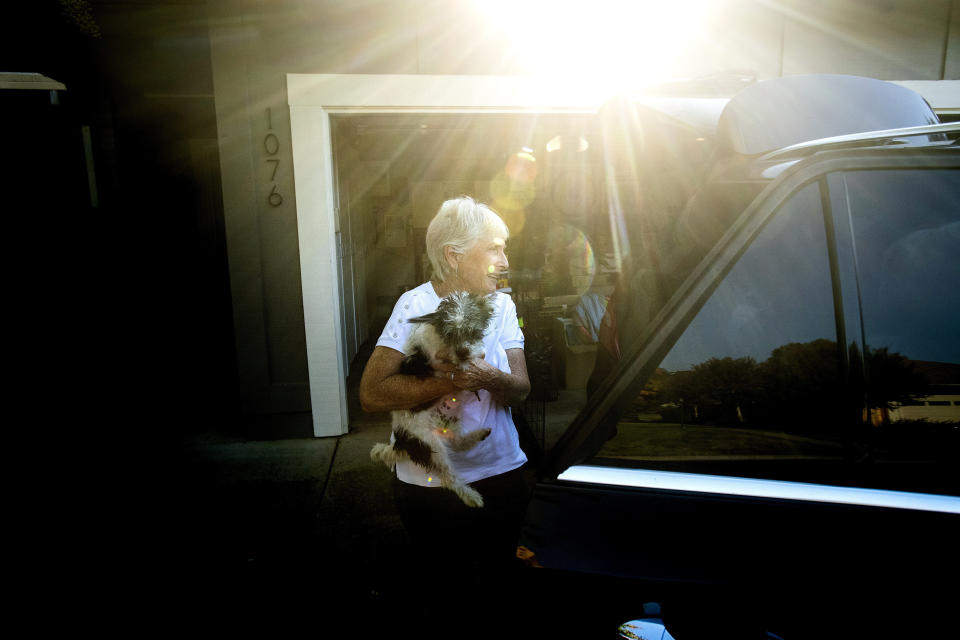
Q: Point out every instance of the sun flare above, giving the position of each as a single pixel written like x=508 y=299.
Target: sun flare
x=608 y=41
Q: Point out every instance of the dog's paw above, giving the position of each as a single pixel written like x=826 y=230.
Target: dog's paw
x=382 y=453
x=472 y=499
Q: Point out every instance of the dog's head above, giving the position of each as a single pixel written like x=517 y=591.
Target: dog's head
x=460 y=321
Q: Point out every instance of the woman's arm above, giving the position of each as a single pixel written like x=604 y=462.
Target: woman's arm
x=512 y=388
x=384 y=388
x=508 y=388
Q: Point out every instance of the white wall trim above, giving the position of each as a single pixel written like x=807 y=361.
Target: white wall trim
x=401 y=92
x=312 y=99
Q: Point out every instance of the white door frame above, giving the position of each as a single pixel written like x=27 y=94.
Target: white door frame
x=313 y=98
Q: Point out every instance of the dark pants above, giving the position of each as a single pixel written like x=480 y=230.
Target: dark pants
x=460 y=553
x=441 y=527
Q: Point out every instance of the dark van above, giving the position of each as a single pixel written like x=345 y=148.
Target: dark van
x=760 y=434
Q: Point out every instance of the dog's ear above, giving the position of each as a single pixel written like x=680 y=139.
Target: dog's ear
x=430 y=317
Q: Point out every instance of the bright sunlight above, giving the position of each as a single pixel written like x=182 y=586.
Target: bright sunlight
x=612 y=42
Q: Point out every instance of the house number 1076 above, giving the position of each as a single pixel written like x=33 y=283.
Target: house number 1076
x=271 y=146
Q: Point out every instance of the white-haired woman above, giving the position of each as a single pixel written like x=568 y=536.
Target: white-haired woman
x=465 y=242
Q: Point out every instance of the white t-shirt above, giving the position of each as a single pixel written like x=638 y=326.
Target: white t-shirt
x=500 y=451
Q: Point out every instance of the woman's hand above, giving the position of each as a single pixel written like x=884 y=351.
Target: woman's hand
x=472 y=375
x=508 y=388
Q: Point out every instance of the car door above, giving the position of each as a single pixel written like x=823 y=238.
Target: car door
x=736 y=465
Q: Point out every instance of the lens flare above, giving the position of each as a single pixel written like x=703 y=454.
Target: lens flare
x=521 y=167
x=577 y=144
x=510 y=199
x=515 y=219
x=512 y=194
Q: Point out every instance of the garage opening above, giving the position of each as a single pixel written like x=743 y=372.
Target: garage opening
x=542 y=173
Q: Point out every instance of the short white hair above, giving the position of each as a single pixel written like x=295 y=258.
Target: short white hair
x=460 y=223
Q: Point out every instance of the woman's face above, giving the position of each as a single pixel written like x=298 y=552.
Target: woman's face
x=482 y=265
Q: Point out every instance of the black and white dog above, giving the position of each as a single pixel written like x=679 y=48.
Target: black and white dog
x=426 y=434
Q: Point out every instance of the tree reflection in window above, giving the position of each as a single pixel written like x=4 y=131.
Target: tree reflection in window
x=756 y=375
x=755 y=386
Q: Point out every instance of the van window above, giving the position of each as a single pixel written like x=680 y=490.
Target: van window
x=752 y=386
x=905 y=232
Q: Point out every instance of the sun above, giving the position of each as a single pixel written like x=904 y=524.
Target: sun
x=609 y=41
x=606 y=41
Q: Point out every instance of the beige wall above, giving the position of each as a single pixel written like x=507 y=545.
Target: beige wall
x=255 y=43
x=886 y=39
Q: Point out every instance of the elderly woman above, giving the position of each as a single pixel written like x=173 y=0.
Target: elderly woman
x=466 y=245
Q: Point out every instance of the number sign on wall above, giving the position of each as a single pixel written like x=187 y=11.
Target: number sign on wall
x=271 y=146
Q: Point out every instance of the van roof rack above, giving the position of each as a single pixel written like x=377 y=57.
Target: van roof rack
x=867 y=139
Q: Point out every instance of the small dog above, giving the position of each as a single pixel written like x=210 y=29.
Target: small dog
x=426 y=434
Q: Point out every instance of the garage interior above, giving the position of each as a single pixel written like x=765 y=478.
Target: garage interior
x=542 y=173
